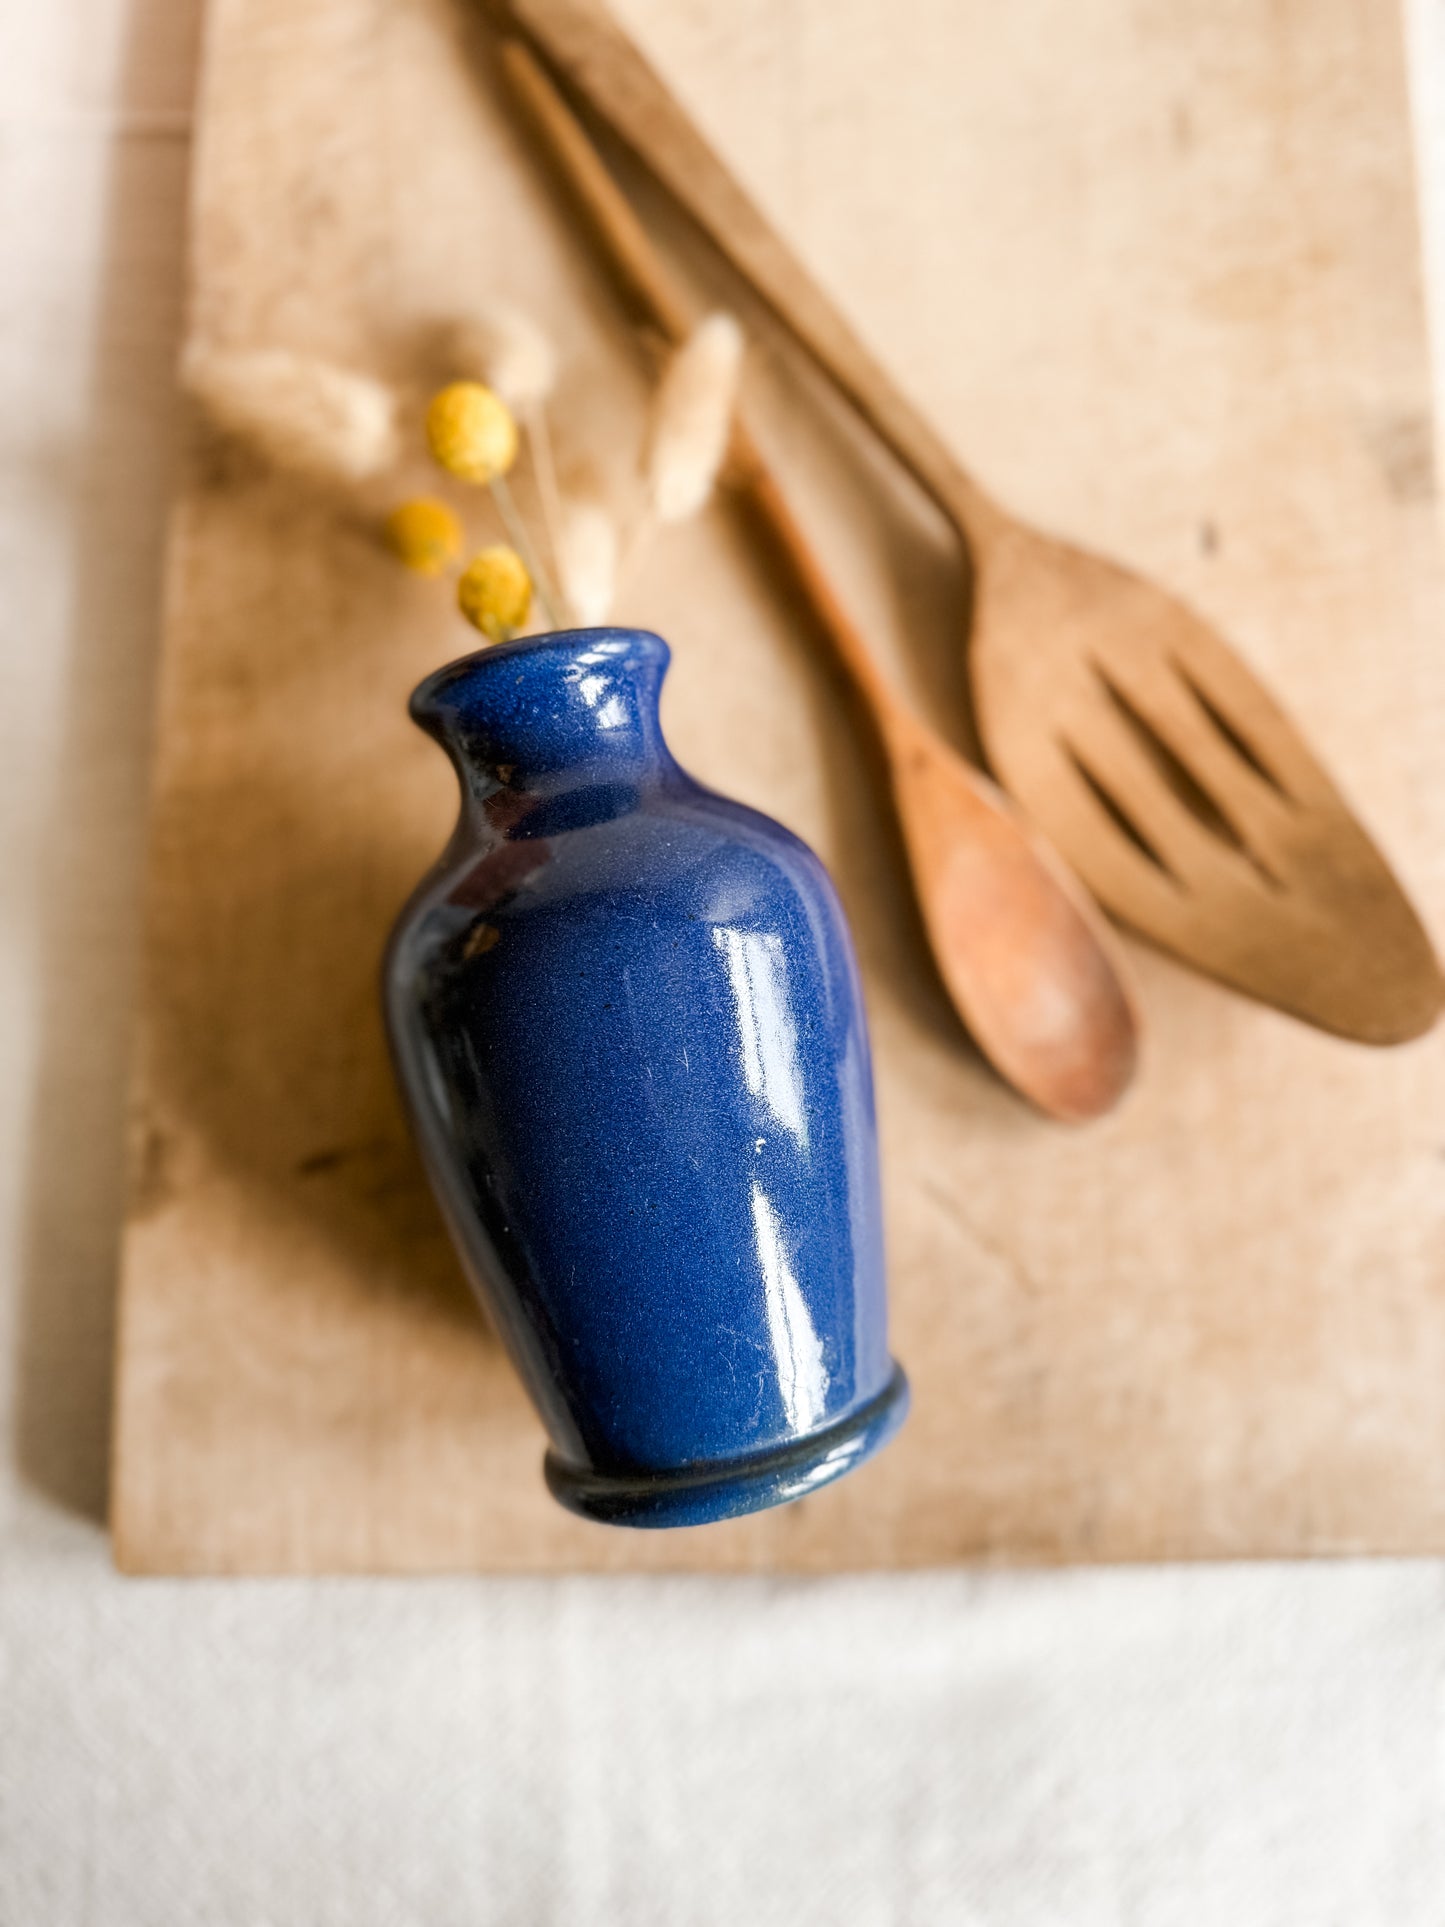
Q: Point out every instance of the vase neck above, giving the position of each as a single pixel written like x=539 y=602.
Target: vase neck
x=551 y=712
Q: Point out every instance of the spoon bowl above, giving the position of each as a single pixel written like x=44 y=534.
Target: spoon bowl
x=1031 y=967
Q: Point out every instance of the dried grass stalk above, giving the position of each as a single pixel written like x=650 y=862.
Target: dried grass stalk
x=506 y=349
x=587 y=559
x=301 y=413
x=691 y=417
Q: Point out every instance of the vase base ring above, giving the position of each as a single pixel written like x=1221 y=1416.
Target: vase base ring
x=726 y=1488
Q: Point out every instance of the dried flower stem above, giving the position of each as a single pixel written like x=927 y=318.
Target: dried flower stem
x=517 y=534
x=544 y=467
x=639 y=533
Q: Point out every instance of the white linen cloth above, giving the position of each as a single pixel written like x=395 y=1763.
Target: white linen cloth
x=1242 y=1746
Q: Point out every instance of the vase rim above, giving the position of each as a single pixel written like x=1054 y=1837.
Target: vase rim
x=561 y=642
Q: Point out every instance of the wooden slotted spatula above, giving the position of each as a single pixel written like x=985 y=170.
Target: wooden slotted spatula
x=1151 y=757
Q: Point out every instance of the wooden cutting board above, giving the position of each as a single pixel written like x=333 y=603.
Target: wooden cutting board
x=1153 y=265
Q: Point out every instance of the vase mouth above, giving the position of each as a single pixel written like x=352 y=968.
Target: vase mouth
x=544 y=707
x=613 y=646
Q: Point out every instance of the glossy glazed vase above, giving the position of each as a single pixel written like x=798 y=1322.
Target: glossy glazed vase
x=626 y=1019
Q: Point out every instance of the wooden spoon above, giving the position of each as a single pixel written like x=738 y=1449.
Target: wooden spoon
x=1028 y=962
x=1135 y=737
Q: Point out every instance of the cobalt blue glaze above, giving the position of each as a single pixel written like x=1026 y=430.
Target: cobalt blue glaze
x=626 y=1017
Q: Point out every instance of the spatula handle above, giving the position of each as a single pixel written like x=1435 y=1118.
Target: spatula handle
x=582 y=42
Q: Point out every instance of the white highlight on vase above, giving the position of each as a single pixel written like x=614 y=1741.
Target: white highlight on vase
x=769 y=1037
x=802 y=1375
x=600 y=694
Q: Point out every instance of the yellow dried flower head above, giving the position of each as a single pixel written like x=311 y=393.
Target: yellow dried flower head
x=495 y=592
x=471 y=432
x=424 y=534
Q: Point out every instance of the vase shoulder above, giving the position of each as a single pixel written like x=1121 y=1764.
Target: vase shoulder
x=666 y=847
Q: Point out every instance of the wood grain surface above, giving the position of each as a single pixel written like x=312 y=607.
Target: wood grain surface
x=1151 y=269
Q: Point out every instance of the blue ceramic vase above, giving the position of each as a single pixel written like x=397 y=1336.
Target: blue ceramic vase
x=626 y=1019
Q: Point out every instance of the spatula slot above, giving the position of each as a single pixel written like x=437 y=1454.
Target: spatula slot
x=1225 y=729
x=1182 y=781
x=1119 y=816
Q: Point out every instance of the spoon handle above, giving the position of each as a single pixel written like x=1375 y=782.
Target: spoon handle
x=660 y=303
x=587 y=47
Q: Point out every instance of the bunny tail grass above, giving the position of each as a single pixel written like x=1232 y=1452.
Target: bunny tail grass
x=587 y=559
x=301 y=413
x=505 y=348
x=691 y=416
